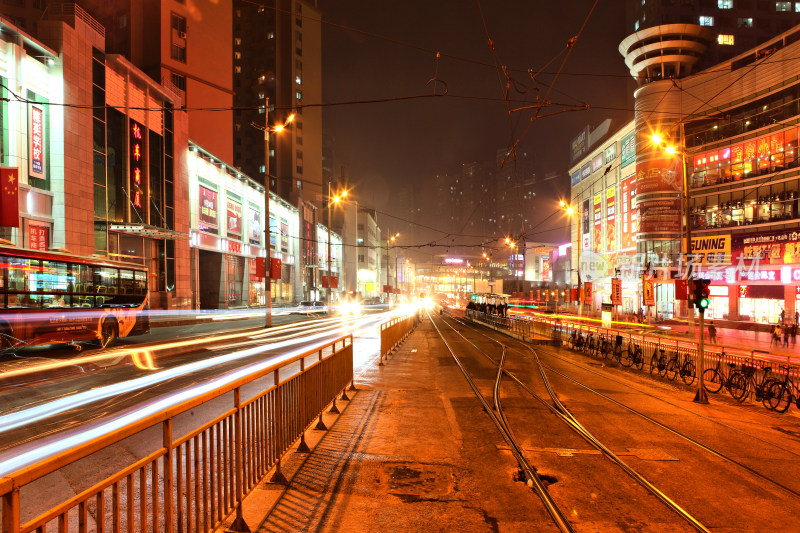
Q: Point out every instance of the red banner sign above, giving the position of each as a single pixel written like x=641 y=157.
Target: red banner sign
x=616 y=291
x=649 y=293
x=630 y=220
x=611 y=219
x=681 y=289
x=660 y=215
x=587 y=293
x=137 y=186
x=9 y=197
x=275 y=268
x=659 y=175
x=261 y=267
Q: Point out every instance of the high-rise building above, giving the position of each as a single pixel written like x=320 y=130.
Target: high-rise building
x=514 y=192
x=694 y=34
x=277 y=56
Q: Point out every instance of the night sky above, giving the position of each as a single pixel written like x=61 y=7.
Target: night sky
x=392 y=145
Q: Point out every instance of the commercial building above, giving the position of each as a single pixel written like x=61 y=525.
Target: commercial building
x=228 y=227
x=605 y=223
x=120 y=153
x=727 y=28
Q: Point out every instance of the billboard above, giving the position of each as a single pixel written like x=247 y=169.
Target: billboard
x=575 y=178
x=234 y=216
x=660 y=215
x=611 y=219
x=36 y=143
x=208 y=209
x=579 y=145
x=628 y=149
x=660 y=175
x=598 y=222
x=586 y=171
x=597 y=162
x=774 y=248
x=714 y=249
x=254 y=228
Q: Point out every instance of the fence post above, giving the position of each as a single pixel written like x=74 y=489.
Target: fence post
x=278 y=476
x=239 y=525
x=303 y=447
x=166 y=431
x=11 y=511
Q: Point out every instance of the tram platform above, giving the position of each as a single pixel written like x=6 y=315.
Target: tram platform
x=406 y=454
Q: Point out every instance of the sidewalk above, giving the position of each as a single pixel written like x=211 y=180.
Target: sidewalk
x=398 y=459
x=740 y=338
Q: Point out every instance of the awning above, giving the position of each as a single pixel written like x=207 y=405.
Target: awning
x=151 y=232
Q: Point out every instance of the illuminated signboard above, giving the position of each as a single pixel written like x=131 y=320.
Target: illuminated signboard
x=137 y=187
x=208 y=210
x=628 y=154
x=254 y=227
x=36 y=166
x=453 y=261
x=234 y=218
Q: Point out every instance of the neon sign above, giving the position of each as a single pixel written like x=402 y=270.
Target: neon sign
x=37 y=148
x=453 y=261
x=137 y=165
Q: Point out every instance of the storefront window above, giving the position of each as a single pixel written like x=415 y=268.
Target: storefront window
x=762 y=310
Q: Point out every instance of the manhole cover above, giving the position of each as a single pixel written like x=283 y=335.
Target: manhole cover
x=416 y=482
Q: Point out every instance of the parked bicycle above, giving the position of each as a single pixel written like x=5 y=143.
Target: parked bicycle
x=682 y=366
x=633 y=356
x=780 y=394
x=658 y=361
x=744 y=382
x=717 y=377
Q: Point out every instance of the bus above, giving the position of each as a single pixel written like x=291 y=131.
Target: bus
x=59 y=298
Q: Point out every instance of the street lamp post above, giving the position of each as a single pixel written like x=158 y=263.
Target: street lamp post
x=701 y=396
x=331 y=199
x=389 y=241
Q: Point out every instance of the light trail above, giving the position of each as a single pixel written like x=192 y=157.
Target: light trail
x=120 y=354
x=40 y=412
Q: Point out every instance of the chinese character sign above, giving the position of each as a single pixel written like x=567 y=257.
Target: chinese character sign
x=38 y=237
x=585 y=218
x=611 y=219
x=630 y=223
x=598 y=222
x=136 y=146
x=616 y=291
x=36 y=147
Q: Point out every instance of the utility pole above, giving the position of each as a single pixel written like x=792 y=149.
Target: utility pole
x=267 y=240
x=330 y=285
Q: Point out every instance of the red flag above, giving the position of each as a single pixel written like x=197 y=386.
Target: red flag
x=9 y=197
x=275 y=268
x=261 y=267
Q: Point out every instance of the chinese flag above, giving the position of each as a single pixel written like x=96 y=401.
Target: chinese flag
x=275 y=268
x=9 y=197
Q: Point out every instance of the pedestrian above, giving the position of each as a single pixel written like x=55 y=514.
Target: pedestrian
x=797 y=317
x=786 y=329
x=776 y=335
x=783 y=315
x=712 y=333
x=794 y=334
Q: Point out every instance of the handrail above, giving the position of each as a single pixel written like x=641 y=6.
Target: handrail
x=393 y=332
x=232 y=452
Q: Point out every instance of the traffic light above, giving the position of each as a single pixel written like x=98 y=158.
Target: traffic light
x=702 y=294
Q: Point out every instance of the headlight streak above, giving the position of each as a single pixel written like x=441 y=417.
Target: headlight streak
x=46 y=410
x=86 y=434
x=122 y=353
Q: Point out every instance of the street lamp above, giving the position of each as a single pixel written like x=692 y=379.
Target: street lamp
x=569 y=210
x=335 y=200
x=700 y=396
x=389 y=240
x=267 y=277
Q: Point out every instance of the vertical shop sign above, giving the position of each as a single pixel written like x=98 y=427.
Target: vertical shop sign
x=616 y=291
x=611 y=219
x=587 y=293
x=598 y=222
x=275 y=268
x=628 y=149
x=284 y=236
x=208 y=209
x=648 y=292
x=38 y=237
x=234 y=225
x=36 y=146
x=137 y=188
x=585 y=217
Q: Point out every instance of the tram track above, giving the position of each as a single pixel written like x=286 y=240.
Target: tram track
x=565 y=415
x=759 y=480
x=678 y=433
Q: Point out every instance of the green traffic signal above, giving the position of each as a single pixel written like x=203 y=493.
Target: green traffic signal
x=704 y=303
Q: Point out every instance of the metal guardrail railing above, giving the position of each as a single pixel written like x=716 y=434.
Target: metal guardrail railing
x=561 y=329
x=393 y=332
x=194 y=482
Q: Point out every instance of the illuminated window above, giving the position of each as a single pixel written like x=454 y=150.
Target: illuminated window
x=271 y=35
x=724 y=39
x=706 y=21
x=237 y=69
x=299 y=95
x=636 y=26
x=747 y=22
x=298 y=80
x=237 y=55
x=783 y=6
x=237 y=41
x=725 y=4
x=797 y=7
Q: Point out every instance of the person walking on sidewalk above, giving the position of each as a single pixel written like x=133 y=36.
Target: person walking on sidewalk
x=794 y=334
x=786 y=329
x=776 y=336
x=712 y=333
x=783 y=316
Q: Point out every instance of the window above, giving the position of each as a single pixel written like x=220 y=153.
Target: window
x=237 y=55
x=237 y=41
x=237 y=69
x=179 y=81
x=747 y=22
x=271 y=35
x=725 y=4
x=298 y=80
x=783 y=6
x=724 y=39
x=298 y=95
x=178 y=37
x=797 y=7
x=636 y=26
x=706 y=21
